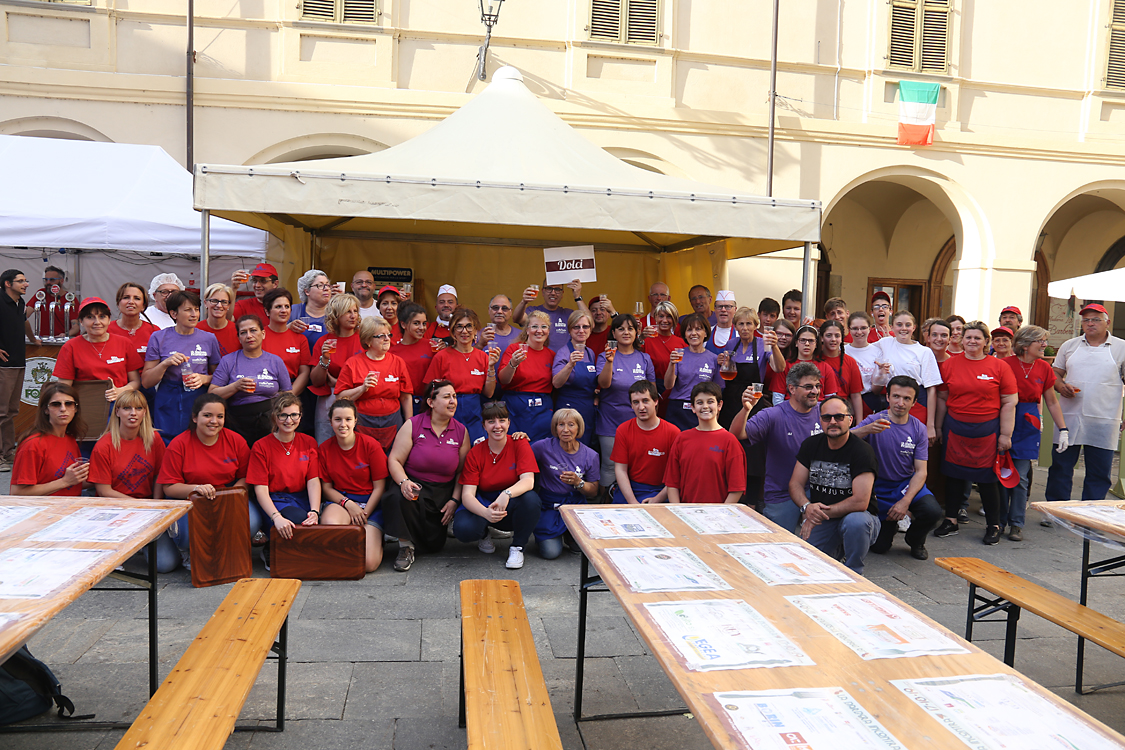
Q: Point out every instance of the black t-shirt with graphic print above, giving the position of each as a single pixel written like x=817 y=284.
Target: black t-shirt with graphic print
x=831 y=472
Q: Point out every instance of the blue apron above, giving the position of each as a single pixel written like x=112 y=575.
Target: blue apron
x=551 y=524
x=1025 y=436
x=890 y=491
x=171 y=414
x=376 y=517
x=530 y=413
x=640 y=491
x=680 y=414
x=578 y=392
x=468 y=414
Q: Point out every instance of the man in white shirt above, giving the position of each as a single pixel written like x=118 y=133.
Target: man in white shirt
x=163 y=286
x=363 y=287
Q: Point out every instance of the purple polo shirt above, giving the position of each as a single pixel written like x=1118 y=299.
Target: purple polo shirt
x=268 y=371
x=553 y=461
x=201 y=347
x=695 y=369
x=434 y=458
x=782 y=429
x=898 y=446
x=613 y=402
x=558 y=316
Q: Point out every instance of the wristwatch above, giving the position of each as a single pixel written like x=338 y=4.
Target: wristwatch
x=578 y=298
x=805 y=507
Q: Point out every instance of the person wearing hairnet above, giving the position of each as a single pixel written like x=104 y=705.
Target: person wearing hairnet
x=162 y=286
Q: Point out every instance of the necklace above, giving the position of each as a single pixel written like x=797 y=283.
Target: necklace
x=495 y=455
x=96 y=350
x=287 y=446
x=1026 y=370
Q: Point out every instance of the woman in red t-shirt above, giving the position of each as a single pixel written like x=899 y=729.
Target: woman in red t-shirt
x=806 y=345
x=472 y=371
x=415 y=348
x=217 y=301
x=292 y=347
x=202 y=459
x=525 y=374
x=95 y=355
x=976 y=415
x=285 y=471
x=353 y=475
x=377 y=382
x=330 y=353
x=843 y=366
x=498 y=487
x=659 y=345
x=47 y=460
x=132 y=299
x=775 y=381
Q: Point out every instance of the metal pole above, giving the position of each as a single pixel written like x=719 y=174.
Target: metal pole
x=204 y=247
x=191 y=86
x=482 y=74
x=806 y=283
x=773 y=103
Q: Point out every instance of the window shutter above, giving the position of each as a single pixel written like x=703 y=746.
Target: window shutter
x=605 y=20
x=641 y=18
x=904 y=20
x=935 y=37
x=1115 y=70
x=320 y=10
x=359 y=10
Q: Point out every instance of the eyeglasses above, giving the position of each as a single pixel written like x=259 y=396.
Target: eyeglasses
x=320 y=286
x=834 y=417
x=883 y=306
x=555 y=289
x=806 y=342
x=289 y=417
x=724 y=307
x=463 y=328
x=62 y=404
x=218 y=302
x=580 y=327
x=162 y=292
x=810 y=387
x=381 y=336
x=499 y=308
x=363 y=283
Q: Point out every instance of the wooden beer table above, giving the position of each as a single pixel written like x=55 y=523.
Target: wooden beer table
x=830 y=659
x=40 y=576
x=1094 y=520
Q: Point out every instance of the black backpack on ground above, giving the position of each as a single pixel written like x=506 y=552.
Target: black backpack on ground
x=28 y=688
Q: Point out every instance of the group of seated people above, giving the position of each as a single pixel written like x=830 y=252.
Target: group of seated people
x=492 y=427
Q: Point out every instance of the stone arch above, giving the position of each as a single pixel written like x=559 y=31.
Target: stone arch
x=316 y=146
x=53 y=127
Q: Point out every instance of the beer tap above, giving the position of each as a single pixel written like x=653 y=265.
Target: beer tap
x=40 y=298
x=51 y=314
x=68 y=308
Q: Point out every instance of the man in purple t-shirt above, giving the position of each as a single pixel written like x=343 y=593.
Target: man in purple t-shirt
x=902 y=448
x=552 y=296
x=782 y=429
x=499 y=332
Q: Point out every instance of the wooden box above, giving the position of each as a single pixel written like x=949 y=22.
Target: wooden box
x=220 y=537
x=319 y=553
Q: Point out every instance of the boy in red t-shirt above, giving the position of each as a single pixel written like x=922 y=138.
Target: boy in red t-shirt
x=707 y=462
x=641 y=448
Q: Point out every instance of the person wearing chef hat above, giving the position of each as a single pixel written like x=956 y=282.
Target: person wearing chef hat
x=723 y=337
x=162 y=286
x=445 y=304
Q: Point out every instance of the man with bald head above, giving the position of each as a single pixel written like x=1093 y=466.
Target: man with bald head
x=363 y=287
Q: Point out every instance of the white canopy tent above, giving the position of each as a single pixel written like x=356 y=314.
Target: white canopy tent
x=505 y=170
x=1107 y=285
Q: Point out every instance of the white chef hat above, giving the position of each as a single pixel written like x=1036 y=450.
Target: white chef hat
x=724 y=295
x=447 y=289
x=161 y=279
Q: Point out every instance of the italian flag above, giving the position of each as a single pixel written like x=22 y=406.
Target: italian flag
x=917 y=111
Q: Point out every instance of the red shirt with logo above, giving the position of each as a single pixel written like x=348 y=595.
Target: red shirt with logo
x=271 y=466
x=491 y=473
x=227 y=336
x=706 y=465
x=130 y=469
x=1031 y=380
x=417 y=357
x=44 y=458
x=382 y=399
x=645 y=452
x=467 y=372
x=108 y=360
x=346 y=346
x=355 y=471
x=533 y=375
x=138 y=338
x=188 y=461
x=293 y=348
x=975 y=387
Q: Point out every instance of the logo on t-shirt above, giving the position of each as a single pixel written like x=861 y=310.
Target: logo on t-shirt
x=391 y=379
x=451 y=441
x=265 y=374
x=908 y=446
x=114 y=360
x=591 y=368
x=656 y=452
x=475 y=371
x=985 y=376
x=199 y=351
x=292 y=350
x=228 y=460
x=360 y=466
x=831 y=479
x=303 y=457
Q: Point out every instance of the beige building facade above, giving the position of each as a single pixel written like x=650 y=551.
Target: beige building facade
x=1024 y=183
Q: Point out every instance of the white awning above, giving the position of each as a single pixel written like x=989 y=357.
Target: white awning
x=1108 y=286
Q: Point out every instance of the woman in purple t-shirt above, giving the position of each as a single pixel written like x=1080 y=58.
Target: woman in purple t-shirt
x=568 y=474
x=688 y=368
x=619 y=366
x=424 y=464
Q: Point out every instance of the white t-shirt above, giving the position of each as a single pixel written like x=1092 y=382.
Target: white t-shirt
x=721 y=335
x=370 y=312
x=912 y=359
x=864 y=357
x=159 y=318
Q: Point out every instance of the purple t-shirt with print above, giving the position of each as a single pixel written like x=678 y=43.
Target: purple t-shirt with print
x=693 y=370
x=553 y=461
x=613 y=402
x=268 y=371
x=898 y=446
x=782 y=429
x=201 y=347
x=558 y=316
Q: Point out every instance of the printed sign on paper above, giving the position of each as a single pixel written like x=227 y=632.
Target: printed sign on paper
x=565 y=264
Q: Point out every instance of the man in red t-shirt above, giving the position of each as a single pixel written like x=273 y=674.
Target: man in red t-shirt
x=641 y=448
x=262 y=279
x=707 y=463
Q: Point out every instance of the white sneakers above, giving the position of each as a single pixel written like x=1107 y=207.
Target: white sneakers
x=515 y=558
x=486 y=545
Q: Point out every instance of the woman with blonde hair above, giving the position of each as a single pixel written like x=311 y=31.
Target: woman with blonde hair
x=377 y=382
x=568 y=474
x=525 y=373
x=329 y=354
x=218 y=300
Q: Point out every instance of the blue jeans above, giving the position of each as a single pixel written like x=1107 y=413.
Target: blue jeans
x=785 y=514
x=857 y=531
x=523 y=515
x=1060 y=477
x=1013 y=502
x=551 y=548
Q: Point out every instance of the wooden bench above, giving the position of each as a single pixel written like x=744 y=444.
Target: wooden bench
x=1013 y=594
x=198 y=704
x=504 y=699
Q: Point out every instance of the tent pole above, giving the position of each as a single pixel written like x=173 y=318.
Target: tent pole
x=806 y=283
x=773 y=103
x=190 y=108
x=204 y=247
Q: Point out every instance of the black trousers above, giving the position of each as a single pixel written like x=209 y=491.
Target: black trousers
x=956 y=490
x=418 y=521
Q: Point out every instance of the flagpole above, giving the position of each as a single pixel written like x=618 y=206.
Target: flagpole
x=773 y=103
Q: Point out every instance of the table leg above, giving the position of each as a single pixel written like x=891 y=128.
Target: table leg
x=580 y=656
x=1097 y=569
x=153 y=643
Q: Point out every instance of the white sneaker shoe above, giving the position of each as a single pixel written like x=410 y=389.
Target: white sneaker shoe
x=515 y=558
x=486 y=546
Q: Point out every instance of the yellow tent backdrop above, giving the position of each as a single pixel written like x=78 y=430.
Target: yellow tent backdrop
x=474 y=201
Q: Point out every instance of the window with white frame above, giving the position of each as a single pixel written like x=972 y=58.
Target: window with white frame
x=626 y=21
x=919 y=38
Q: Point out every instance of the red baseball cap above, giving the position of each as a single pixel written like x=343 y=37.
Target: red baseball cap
x=878 y=295
x=1094 y=306
x=1005 y=469
x=264 y=269
x=388 y=288
x=1012 y=309
x=91 y=301
x=1003 y=331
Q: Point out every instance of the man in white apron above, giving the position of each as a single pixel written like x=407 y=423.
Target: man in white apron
x=1091 y=371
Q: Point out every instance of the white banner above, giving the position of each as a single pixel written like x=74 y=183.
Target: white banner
x=565 y=264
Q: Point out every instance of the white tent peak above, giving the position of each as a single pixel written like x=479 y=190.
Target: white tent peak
x=507 y=73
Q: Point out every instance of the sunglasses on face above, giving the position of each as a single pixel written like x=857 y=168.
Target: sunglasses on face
x=833 y=417
x=499 y=308
x=62 y=404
